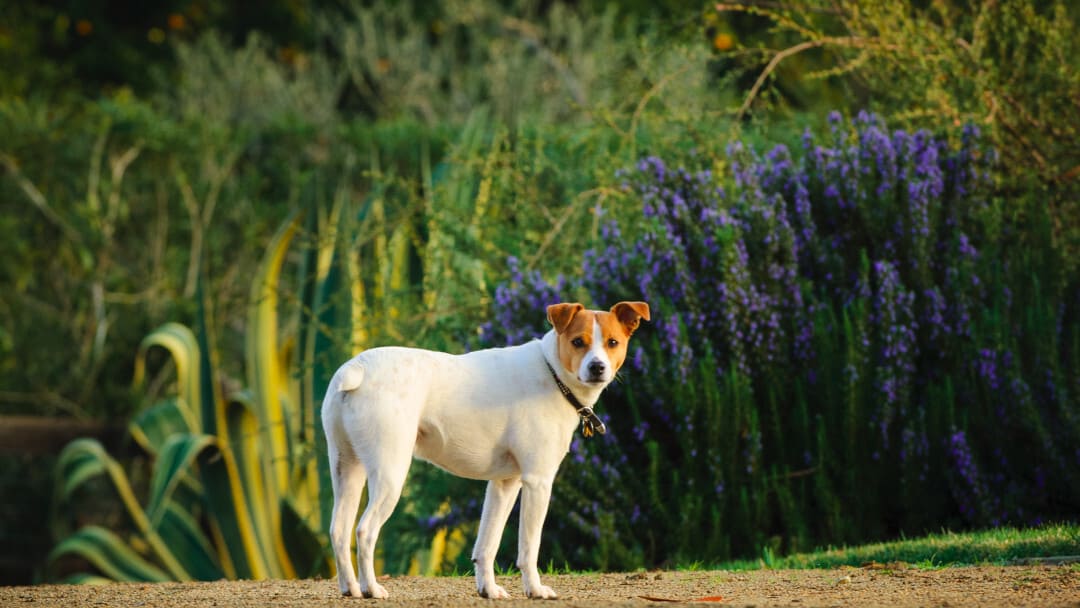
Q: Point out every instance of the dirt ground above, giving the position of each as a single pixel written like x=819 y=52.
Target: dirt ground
x=875 y=585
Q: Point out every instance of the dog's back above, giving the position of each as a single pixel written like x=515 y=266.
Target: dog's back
x=456 y=410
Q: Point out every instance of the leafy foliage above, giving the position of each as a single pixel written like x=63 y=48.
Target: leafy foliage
x=432 y=143
x=139 y=192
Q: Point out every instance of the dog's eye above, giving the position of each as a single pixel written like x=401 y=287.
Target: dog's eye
x=612 y=342
x=578 y=342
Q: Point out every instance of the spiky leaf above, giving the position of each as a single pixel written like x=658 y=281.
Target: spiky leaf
x=176 y=458
x=179 y=529
x=153 y=426
x=108 y=553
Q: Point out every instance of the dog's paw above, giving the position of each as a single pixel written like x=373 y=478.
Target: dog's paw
x=376 y=591
x=493 y=592
x=541 y=592
x=350 y=590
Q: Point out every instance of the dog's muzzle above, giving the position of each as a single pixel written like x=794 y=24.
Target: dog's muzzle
x=596 y=371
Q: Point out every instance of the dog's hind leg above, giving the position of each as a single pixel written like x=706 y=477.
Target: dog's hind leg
x=498 y=501
x=347 y=478
x=386 y=478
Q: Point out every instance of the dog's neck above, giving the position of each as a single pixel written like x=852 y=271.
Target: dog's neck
x=587 y=394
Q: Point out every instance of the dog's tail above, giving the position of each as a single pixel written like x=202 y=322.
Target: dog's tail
x=350 y=376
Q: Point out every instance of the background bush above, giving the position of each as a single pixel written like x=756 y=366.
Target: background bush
x=848 y=342
x=142 y=145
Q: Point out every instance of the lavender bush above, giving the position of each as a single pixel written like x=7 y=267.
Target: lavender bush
x=849 y=342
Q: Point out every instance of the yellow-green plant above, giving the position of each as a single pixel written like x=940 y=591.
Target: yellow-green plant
x=235 y=489
x=238 y=484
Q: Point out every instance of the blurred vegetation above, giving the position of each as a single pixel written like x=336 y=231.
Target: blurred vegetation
x=848 y=343
x=150 y=152
x=136 y=190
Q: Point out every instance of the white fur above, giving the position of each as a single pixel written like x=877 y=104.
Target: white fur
x=493 y=414
x=597 y=352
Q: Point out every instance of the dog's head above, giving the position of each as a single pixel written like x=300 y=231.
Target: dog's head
x=592 y=343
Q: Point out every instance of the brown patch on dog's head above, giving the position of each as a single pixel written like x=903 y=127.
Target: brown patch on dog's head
x=573 y=326
x=591 y=340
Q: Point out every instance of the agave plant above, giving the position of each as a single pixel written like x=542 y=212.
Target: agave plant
x=236 y=488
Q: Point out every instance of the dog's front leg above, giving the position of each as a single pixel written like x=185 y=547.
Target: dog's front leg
x=498 y=501
x=534 y=504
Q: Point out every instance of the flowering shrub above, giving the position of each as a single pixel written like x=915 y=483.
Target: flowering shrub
x=847 y=343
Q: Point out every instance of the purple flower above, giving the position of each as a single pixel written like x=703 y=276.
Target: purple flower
x=969 y=489
x=896 y=325
x=965 y=247
x=987 y=368
x=852 y=278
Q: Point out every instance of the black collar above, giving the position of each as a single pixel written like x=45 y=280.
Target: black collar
x=590 y=422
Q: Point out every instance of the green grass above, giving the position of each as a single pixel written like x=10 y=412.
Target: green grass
x=997 y=546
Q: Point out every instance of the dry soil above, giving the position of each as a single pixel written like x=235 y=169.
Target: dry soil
x=874 y=585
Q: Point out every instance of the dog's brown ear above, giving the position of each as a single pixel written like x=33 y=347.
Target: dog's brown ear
x=561 y=315
x=630 y=314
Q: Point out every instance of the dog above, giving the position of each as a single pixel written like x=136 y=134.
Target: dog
x=506 y=415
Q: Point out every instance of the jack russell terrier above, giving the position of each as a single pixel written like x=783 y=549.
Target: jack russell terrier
x=506 y=415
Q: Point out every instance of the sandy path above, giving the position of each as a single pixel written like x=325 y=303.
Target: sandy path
x=879 y=586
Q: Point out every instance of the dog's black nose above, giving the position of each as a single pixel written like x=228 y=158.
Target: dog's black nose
x=596 y=369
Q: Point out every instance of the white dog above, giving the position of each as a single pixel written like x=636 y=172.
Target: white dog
x=503 y=414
